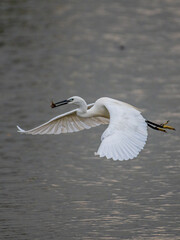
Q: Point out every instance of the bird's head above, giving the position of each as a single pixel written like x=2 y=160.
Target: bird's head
x=72 y=100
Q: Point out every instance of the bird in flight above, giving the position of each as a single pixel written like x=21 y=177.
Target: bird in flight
x=125 y=135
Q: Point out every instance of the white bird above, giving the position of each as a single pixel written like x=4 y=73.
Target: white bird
x=125 y=135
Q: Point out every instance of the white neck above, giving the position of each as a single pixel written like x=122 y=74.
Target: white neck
x=82 y=110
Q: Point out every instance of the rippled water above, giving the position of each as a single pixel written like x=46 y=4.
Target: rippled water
x=53 y=187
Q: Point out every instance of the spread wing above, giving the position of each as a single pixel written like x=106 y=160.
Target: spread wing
x=126 y=134
x=66 y=123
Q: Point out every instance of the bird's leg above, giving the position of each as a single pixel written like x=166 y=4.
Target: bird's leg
x=155 y=127
x=159 y=126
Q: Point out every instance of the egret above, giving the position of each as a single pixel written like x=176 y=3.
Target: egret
x=125 y=135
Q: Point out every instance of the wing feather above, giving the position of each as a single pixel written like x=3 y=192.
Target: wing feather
x=126 y=134
x=66 y=123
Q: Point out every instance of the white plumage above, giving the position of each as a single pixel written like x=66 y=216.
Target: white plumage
x=66 y=123
x=123 y=139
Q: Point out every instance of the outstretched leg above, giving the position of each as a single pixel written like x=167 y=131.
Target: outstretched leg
x=159 y=127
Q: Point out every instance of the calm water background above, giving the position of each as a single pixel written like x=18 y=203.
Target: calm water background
x=53 y=187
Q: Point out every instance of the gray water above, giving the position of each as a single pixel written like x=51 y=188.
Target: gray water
x=53 y=187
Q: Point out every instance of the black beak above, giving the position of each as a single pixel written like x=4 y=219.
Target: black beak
x=53 y=105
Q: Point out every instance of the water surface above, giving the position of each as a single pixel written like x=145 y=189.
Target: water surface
x=53 y=187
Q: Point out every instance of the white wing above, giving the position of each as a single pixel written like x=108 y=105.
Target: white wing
x=126 y=134
x=66 y=123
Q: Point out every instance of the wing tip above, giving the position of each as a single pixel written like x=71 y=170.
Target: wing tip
x=115 y=157
x=20 y=130
x=101 y=155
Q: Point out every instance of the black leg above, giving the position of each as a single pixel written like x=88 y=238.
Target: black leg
x=155 y=127
x=159 y=126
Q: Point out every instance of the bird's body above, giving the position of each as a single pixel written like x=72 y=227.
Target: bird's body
x=123 y=139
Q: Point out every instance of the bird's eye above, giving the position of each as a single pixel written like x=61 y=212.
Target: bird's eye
x=72 y=99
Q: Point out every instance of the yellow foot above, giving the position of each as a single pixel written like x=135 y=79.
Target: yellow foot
x=166 y=126
x=160 y=129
